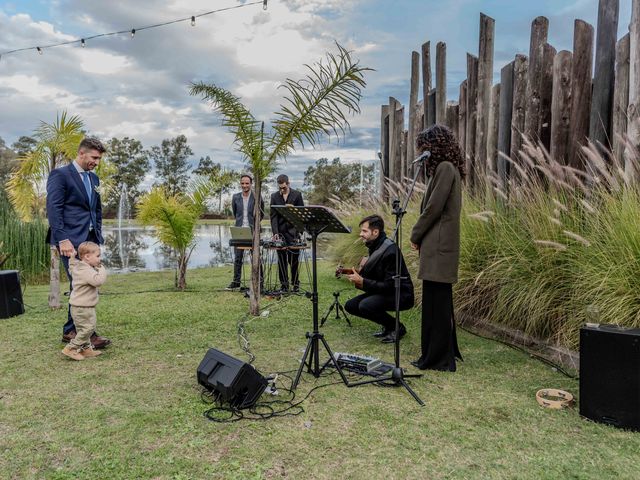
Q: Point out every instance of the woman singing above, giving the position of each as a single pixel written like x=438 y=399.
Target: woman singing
x=436 y=235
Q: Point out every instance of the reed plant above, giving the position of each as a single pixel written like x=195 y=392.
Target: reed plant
x=549 y=250
x=23 y=243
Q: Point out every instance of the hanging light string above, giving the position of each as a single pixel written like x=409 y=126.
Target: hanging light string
x=133 y=31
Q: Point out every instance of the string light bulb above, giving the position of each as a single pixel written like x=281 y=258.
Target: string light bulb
x=83 y=43
x=264 y=4
x=193 y=20
x=39 y=50
x=133 y=32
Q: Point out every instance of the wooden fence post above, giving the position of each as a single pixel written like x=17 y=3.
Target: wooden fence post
x=452 y=117
x=426 y=78
x=393 y=107
x=418 y=122
x=620 y=99
x=504 y=122
x=462 y=117
x=403 y=152
x=431 y=113
x=492 y=131
x=441 y=82
x=539 y=32
x=520 y=67
x=472 y=118
x=546 y=92
x=413 y=103
x=561 y=107
x=384 y=149
x=580 y=91
x=604 y=74
x=485 y=80
x=633 y=112
x=398 y=168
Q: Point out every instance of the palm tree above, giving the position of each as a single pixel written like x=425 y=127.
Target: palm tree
x=316 y=106
x=57 y=145
x=175 y=217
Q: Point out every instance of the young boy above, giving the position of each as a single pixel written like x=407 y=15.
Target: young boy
x=87 y=275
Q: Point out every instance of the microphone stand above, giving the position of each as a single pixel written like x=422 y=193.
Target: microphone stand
x=397 y=374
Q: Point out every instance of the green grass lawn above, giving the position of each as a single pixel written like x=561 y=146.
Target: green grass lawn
x=136 y=411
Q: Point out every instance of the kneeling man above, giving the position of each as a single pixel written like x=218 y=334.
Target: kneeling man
x=376 y=280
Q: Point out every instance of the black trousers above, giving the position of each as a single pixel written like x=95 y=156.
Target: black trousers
x=286 y=258
x=237 y=264
x=238 y=257
x=439 y=341
x=374 y=307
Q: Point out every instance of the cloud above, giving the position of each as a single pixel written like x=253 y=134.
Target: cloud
x=139 y=87
x=101 y=63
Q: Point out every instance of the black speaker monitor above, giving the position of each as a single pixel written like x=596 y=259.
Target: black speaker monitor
x=10 y=294
x=610 y=375
x=235 y=381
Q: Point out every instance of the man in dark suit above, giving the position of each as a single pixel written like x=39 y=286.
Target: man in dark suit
x=243 y=205
x=282 y=227
x=75 y=214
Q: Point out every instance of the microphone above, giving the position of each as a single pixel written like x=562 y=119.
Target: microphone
x=425 y=155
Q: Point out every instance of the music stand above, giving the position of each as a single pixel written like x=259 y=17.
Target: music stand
x=314 y=220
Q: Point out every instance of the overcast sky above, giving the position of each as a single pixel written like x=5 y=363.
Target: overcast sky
x=138 y=87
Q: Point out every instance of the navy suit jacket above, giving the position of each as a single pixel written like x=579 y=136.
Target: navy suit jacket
x=69 y=211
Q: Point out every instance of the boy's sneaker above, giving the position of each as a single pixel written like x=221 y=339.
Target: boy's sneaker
x=90 y=353
x=72 y=352
x=233 y=286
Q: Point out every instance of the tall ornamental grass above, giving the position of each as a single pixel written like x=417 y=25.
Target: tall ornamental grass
x=552 y=249
x=23 y=243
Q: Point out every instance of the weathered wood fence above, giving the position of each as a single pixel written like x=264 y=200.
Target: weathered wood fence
x=560 y=100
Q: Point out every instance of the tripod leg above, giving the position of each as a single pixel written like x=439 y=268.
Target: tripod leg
x=334 y=361
x=345 y=314
x=303 y=362
x=324 y=319
x=413 y=394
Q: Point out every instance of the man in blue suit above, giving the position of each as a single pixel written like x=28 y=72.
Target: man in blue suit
x=243 y=205
x=75 y=214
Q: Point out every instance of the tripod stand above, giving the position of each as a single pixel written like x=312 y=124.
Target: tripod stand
x=339 y=308
x=314 y=220
x=397 y=375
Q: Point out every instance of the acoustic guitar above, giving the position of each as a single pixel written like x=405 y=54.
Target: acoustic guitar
x=340 y=270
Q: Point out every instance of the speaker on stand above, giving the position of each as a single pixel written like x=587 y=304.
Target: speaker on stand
x=233 y=380
x=610 y=375
x=10 y=294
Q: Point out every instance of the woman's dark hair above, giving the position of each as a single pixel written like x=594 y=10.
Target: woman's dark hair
x=444 y=147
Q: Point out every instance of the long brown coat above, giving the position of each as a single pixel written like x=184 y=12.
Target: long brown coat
x=437 y=231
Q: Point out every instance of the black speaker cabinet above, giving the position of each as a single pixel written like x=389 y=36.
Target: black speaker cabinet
x=10 y=294
x=610 y=375
x=233 y=380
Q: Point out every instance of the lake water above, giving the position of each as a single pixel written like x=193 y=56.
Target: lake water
x=135 y=248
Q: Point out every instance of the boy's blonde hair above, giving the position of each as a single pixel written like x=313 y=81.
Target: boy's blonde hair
x=87 y=247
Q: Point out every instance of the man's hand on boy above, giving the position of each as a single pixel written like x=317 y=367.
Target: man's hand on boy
x=66 y=248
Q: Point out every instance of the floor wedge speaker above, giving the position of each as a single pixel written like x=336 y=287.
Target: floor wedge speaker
x=610 y=375
x=10 y=294
x=234 y=381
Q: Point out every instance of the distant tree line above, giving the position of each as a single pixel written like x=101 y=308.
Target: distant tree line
x=129 y=163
